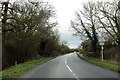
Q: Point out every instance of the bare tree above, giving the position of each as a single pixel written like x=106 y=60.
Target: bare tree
x=108 y=17
x=5 y=14
x=85 y=24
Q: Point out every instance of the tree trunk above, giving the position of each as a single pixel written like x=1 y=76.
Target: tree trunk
x=94 y=48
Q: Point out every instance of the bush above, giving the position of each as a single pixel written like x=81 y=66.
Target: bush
x=112 y=53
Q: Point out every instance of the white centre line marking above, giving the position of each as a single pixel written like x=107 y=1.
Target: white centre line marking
x=73 y=74
x=77 y=78
x=70 y=68
x=66 y=60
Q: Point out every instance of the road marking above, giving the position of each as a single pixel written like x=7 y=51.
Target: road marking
x=77 y=78
x=66 y=60
x=73 y=74
x=70 y=68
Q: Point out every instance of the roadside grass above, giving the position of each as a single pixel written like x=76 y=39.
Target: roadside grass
x=111 y=65
x=107 y=64
x=20 y=69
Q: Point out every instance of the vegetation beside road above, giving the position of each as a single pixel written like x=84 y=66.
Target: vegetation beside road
x=111 y=65
x=107 y=64
x=20 y=69
x=96 y=26
x=28 y=33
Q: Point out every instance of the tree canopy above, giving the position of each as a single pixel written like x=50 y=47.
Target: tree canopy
x=28 y=32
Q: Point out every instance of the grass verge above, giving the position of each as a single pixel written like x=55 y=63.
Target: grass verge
x=20 y=69
x=107 y=64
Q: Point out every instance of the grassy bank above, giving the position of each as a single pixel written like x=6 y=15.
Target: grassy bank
x=20 y=69
x=107 y=64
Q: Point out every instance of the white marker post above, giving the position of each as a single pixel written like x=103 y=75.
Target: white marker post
x=102 y=51
x=102 y=40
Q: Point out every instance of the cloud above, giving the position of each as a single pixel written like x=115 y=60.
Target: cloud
x=65 y=10
x=72 y=41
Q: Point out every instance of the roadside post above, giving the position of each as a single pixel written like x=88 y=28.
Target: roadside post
x=102 y=40
x=102 y=51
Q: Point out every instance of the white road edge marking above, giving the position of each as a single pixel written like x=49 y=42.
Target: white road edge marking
x=70 y=68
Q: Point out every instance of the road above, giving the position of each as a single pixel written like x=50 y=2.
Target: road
x=69 y=66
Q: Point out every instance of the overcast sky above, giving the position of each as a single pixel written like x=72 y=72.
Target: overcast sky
x=65 y=10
